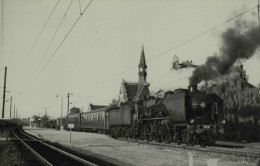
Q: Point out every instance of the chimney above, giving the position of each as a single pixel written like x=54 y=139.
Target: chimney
x=192 y=88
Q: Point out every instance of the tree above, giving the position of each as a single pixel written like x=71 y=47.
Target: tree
x=36 y=118
x=74 y=110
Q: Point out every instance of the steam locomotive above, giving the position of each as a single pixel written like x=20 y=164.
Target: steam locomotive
x=181 y=116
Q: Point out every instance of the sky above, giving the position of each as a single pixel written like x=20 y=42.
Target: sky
x=104 y=47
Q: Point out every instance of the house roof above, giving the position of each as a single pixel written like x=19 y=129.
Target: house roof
x=143 y=90
x=130 y=90
x=247 y=84
x=94 y=107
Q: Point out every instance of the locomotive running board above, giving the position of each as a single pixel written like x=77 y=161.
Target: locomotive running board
x=156 y=118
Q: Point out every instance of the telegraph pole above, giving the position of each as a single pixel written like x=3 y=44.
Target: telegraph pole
x=11 y=107
x=61 y=113
x=68 y=111
x=45 y=117
x=14 y=111
x=68 y=104
x=3 y=108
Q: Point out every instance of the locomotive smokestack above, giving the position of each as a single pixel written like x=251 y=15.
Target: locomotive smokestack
x=193 y=88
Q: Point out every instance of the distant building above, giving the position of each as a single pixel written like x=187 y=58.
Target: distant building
x=234 y=89
x=94 y=107
x=133 y=92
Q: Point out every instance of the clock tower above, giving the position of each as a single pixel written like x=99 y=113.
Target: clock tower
x=142 y=68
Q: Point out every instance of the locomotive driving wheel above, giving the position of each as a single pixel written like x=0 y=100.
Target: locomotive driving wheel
x=177 y=138
x=193 y=139
x=167 y=138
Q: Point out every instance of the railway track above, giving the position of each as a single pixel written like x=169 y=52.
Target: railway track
x=213 y=149
x=48 y=154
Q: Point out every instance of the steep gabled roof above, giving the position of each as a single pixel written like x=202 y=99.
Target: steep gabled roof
x=248 y=85
x=143 y=90
x=130 y=90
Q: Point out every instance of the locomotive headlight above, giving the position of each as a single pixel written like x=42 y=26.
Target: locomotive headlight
x=191 y=121
x=203 y=105
x=223 y=121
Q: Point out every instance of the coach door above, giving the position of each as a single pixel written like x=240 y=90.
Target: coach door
x=106 y=120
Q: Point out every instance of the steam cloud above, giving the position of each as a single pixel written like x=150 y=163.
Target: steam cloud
x=238 y=42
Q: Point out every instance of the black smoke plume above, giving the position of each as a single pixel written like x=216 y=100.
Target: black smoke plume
x=238 y=42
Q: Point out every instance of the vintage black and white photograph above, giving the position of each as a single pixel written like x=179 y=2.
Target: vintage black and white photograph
x=130 y=82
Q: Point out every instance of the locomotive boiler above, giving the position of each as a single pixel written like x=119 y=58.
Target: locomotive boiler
x=183 y=116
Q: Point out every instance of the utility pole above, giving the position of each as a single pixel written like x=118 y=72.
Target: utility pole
x=11 y=107
x=14 y=111
x=61 y=113
x=45 y=117
x=3 y=108
x=68 y=106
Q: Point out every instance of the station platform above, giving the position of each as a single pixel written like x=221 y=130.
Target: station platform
x=129 y=153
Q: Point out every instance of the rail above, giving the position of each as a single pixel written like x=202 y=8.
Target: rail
x=45 y=160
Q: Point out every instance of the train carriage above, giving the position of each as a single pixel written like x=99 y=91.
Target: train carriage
x=74 y=119
x=96 y=120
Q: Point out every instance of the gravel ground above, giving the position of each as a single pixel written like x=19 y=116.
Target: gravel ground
x=9 y=155
x=137 y=154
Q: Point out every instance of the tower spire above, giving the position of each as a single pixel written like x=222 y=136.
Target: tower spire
x=142 y=59
x=142 y=67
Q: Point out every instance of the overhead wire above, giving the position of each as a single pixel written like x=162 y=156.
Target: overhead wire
x=179 y=45
x=64 y=38
x=38 y=36
x=60 y=44
x=231 y=48
x=81 y=99
x=185 y=42
x=201 y=34
x=54 y=35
